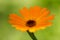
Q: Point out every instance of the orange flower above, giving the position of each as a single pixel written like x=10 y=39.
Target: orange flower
x=34 y=19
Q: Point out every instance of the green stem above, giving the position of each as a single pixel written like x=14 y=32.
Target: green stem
x=32 y=35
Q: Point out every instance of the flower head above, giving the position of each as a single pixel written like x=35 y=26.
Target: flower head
x=34 y=19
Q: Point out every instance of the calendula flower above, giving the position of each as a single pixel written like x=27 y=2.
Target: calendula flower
x=34 y=19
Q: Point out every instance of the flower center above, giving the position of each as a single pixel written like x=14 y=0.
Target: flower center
x=30 y=23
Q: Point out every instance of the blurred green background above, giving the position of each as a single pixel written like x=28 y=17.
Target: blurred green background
x=7 y=32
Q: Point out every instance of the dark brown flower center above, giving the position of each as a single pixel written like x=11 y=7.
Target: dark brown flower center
x=30 y=23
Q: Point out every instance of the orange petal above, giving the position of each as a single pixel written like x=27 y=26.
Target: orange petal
x=47 y=18
x=13 y=22
x=22 y=28
x=25 y=13
x=50 y=17
x=45 y=24
x=39 y=26
x=17 y=22
x=35 y=12
x=44 y=12
x=16 y=19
